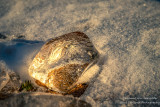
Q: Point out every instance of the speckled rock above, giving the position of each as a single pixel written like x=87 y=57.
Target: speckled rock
x=63 y=60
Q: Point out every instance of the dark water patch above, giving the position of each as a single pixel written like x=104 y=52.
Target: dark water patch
x=153 y=0
x=2 y=36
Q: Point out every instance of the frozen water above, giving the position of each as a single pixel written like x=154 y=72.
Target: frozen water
x=4 y=77
x=9 y=81
x=42 y=100
x=18 y=53
x=126 y=33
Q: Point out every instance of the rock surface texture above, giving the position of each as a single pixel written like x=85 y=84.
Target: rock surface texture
x=62 y=61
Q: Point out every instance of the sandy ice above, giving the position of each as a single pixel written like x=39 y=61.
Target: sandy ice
x=126 y=34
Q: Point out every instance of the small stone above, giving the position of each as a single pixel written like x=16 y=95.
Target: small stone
x=62 y=61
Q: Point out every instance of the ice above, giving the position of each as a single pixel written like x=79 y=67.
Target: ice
x=4 y=77
x=9 y=81
x=42 y=100
x=126 y=34
x=18 y=53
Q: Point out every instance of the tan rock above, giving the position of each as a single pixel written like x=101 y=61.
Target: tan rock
x=63 y=60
